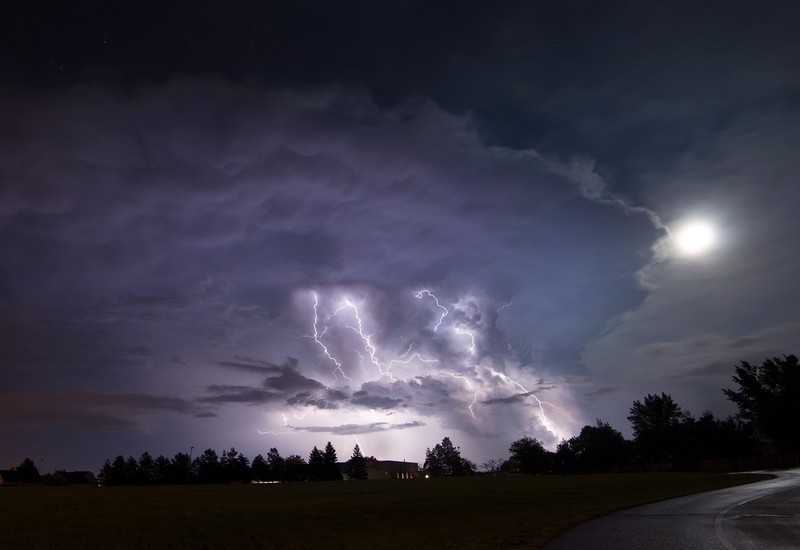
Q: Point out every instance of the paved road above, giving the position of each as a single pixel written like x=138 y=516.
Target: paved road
x=763 y=515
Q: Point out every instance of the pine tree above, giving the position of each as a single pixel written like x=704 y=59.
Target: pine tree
x=357 y=465
x=208 y=468
x=330 y=464
x=147 y=468
x=28 y=471
x=106 y=475
x=259 y=469
x=277 y=465
x=316 y=464
x=445 y=460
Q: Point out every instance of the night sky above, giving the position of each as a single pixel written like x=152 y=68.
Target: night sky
x=276 y=224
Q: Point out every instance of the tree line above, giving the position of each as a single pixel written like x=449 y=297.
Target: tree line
x=231 y=466
x=768 y=402
x=767 y=398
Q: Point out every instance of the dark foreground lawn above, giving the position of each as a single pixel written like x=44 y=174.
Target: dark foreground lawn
x=478 y=512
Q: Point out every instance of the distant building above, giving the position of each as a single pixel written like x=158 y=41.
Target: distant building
x=392 y=469
x=74 y=478
x=29 y=476
x=10 y=477
x=386 y=469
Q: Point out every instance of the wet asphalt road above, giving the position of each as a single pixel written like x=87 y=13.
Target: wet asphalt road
x=763 y=515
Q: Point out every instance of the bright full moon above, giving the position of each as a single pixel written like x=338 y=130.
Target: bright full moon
x=695 y=238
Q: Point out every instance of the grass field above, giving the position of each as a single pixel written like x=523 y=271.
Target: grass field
x=477 y=512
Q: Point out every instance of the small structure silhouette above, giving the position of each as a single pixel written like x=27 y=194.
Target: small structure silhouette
x=386 y=469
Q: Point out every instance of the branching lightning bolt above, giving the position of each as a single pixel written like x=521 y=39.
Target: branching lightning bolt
x=471 y=338
x=469 y=385
x=285 y=424
x=422 y=293
x=371 y=353
x=384 y=370
x=367 y=338
x=410 y=347
x=545 y=419
x=317 y=338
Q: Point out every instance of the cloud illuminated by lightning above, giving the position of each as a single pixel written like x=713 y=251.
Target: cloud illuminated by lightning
x=317 y=338
x=471 y=338
x=422 y=293
x=444 y=355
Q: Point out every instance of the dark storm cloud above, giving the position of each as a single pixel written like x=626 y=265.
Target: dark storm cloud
x=240 y=394
x=437 y=397
x=697 y=345
x=601 y=392
x=511 y=400
x=307 y=399
x=252 y=365
x=336 y=395
x=717 y=369
x=715 y=355
x=284 y=383
x=66 y=351
x=290 y=381
x=273 y=208
x=130 y=299
x=89 y=410
x=362 y=398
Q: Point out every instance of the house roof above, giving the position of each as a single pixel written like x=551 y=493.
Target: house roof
x=10 y=476
x=78 y=477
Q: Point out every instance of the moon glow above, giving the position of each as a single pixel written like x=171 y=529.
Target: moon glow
x=695 y=238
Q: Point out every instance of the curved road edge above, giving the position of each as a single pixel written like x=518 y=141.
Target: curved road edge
x=765 y=514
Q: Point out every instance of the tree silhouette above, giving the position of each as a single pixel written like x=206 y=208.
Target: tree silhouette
x=708 y=437
x=208 y=468
x=163 y=469
x=105 y=474
x=599 y=448
x=132 y=474
x=180 y=469
x=357 y=465
x=565 y=459
x=655 y=425
x=492 y=466
x=118 y=472
x=235 y=466
x=259 y=469
x=529 y=455
x=147 y=469
x=296 y=468
x=330 y=464
x=28 y=472
x=316 y=464
x=445 y=460
x=769 y=400
x=277 y=466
